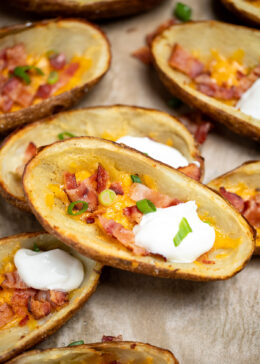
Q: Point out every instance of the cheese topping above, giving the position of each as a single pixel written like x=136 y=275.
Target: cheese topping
x=157 y=230
x=158 y=151
x=54 y=269
x=249 y=102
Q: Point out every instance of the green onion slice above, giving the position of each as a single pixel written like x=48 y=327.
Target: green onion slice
x=145 y=206
x=51 y=53
x=79 y=212
x=36 y=248
x=183 y=12
x=184 y=230
x=53 y=78
x=107 y=197
x=135 y=178
x=75 y=343
x=61 y=136
x=21 y=72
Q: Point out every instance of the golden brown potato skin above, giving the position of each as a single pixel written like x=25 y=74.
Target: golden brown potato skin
x=15 y=340
x=64 y=100
x=249 y=174
x=91 y=353
x=93 y=10
x=178 y=85
x=244 y=10
x=88 y=239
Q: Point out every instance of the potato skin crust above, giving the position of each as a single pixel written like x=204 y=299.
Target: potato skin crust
x=94 y=10
x=243 y=10
x=53 y=323
x=237 y=121
x=57 y=103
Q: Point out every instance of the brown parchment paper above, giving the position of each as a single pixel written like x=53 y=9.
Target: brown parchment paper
x=204 y=323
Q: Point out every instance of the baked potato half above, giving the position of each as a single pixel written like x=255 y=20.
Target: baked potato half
x=14 y=340
x=91 y=9
x=49 y=167
x=107 y=352
x=110 y=122
x=245 y=9
x=226 y=39
x=244 y=181
x=73 y=39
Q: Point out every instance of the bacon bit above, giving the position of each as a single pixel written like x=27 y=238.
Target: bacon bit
x=143 y=54
x=106 y=339
x=202 y=131
x=192 y=170
x=58 y=61
x=252 y=210
x=209 y=87
x=83 y=191
x=24 y=320
x=6 y=314
x=58 y=298
x=13 y=280
x=38 y=309
x=183 y=61
x=17 y=92
x=44 y=91
x=6 y=103
x=233 y=198
x=204 y=258
x=102 y=178
x=64 y=76
x=15 y=56
x=196 y=123
x=133 y=213
x=124 y=236
x=139 y=192
x=29 y=153
x=20 y=299
x=132 y=346
x=90 y=220
x=117 y=188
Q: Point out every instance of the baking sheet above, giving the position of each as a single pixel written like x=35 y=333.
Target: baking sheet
x=206 y=323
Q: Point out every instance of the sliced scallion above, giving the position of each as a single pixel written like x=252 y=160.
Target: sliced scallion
x=53 y=78
x=145 y=206
x=21 y=72
x=36 y=248
x=107 y=197
x=184 y=230
x=75 y=343
x=62 y=136
x=79 y=212
x=135 y=178
x=183 y=12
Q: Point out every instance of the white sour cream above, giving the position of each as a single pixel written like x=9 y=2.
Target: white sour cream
x=157 y=229
x=54 y=269
x=249 y=102
x=158 y=151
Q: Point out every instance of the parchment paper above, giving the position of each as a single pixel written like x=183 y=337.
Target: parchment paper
x=205 y=323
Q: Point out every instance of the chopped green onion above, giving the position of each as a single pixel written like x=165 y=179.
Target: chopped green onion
x=146 y=154
x=174 y=102
x=53 y=78
x=36 y=248
x=135 y=178
x=184 y=230
x=75 y=343
x=81 y=211
x=21 y=72
x=107 y=197
x=61 y=136
x=183 y=12
x=51 y=53
x=145 y=206
x=207 y=222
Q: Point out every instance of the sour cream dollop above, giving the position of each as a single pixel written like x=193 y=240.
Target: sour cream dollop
x=158 y=151
x=54 y=269
x=157 y=230
x=249 y=102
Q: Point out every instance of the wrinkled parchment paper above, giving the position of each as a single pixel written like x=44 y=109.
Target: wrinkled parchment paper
x=202 y=323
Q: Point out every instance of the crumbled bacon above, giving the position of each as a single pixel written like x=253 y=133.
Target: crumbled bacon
x=20 y=299
x=24 y=320
x=181 y=60
x=58 y=298
x=6 y=314
x=117 y=188
x=192 y=170
x=17 y=92
x=139 y=192
x=90 y=220
x=102 y=178
x=209 y=87
x=233 y=198
x=15 y=56
x=143 y=54
x=123 y=235
x=29 y=153
x=13 y=280
x=38 y=309
x=133 y=213
x=252 y=210
x=84 y=191
x=198 y=125
x=44 y=91
x=58 y=61
x=6 y=103
x=202 y=131
x=64 y=76
x=106 y=339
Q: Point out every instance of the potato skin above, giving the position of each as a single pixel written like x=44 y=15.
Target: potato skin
x=249 y=12
x=239 y=124
x=53 y=104
x=94 y=10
